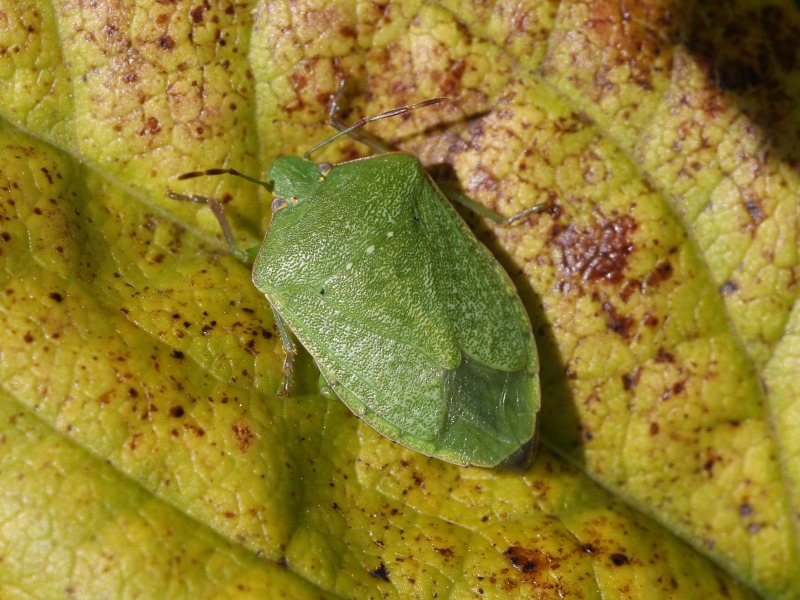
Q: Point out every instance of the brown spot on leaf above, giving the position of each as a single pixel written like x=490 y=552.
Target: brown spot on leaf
x=446 y=552
x=676 y=389
x=198 y=431
x=244 y=436
x=596 y=253
x=629 y=380
x=617 y=323
x=152 y=126
x=532 y=563
x=661 y=273
x=451 y=81
x=176 y=411
x=710 y=463
x=664 y=357
x=650 y=320
x=198 y=12
x=523 y=559
x=47 y=174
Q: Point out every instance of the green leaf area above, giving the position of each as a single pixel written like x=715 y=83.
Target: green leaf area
x=144 y=452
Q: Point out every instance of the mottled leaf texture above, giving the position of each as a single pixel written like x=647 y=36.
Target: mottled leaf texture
x=144 y=452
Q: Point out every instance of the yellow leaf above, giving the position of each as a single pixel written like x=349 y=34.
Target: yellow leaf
x=143 y=449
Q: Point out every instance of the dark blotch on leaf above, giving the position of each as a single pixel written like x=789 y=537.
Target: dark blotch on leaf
x=661 y=273
x=176 y=412
x=522 y=558
x=197 y=13
x=664 y=357
x=245 y=438
x=381 y=572
x=629 y=380
x=597 y=253
x=619 y=559
x=165 y=42
x=47 y=174
x=617 y=323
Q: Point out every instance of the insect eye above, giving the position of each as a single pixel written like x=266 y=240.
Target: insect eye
x=277 y=204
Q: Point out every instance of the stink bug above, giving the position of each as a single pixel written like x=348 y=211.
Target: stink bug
x=411 y=321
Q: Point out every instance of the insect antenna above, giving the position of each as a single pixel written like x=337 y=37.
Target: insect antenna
x=193 y=174
x=336 y=123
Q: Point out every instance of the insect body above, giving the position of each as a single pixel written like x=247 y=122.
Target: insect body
x=411 y=321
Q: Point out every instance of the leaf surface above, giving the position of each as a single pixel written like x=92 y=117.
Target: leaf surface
x=143 y=449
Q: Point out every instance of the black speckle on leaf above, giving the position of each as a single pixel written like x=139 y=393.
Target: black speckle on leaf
x=619 y=559
x=381 y=572
x=165 y=42
x=521 y=558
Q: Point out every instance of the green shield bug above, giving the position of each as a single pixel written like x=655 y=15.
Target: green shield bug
x=410 y=319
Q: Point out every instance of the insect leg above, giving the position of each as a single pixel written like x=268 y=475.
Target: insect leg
x=219 y=213
x=514 y=219
x=289 y=350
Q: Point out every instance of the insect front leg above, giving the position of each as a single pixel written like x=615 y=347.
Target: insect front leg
x=468 y=202
x=246 y=256
x=289 y=351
